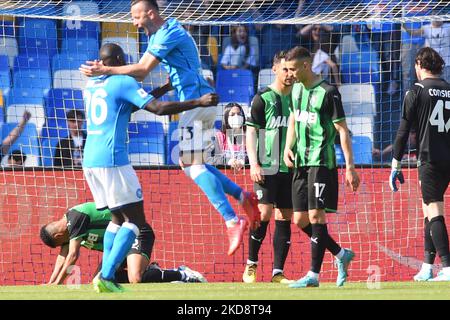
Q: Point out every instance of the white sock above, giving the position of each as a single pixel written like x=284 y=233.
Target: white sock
x=313 y=275
x=426 y=267
x=232 y=222
x=276 y=271
x=249 y=262
x=241 y=198
x=340 y=254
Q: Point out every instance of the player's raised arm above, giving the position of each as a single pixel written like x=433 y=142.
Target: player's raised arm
x=173 y=107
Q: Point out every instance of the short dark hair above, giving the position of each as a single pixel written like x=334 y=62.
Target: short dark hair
x=297 y=53
x=18 y=156
x=429 y=59
x=46 y=237
x=153 y=3
x=74 y=114
x=280 y=55
x=112 y=55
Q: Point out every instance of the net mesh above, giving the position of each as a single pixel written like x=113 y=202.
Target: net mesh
x=42 y=44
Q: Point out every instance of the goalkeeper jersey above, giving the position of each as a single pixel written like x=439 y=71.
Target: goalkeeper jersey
x=86 y=222
x=269 y=114
x=315 y=111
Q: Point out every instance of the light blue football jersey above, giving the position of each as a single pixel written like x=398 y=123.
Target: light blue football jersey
x=178 y=53
x=108 y=102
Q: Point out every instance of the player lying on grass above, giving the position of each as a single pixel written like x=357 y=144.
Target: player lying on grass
x=84 y=226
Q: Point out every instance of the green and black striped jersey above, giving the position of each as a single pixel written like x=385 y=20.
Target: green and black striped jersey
x=315 y=111
x=86 y=222
x=269 y=114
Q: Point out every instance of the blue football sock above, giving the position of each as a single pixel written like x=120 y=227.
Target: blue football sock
x=122 y=244
x=213 y=189
x=108 y=240
x=228 y=185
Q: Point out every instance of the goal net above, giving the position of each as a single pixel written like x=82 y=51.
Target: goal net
x=364 y=47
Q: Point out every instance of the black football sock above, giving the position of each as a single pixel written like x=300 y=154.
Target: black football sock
x=319 y=239
x=158 y=275
x=440 y=239
x=332 y=246
x=429 y=249
x=255 y=241
x=281 y=243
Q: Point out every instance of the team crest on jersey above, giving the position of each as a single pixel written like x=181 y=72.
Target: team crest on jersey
x=142 y=93
x=139 y=193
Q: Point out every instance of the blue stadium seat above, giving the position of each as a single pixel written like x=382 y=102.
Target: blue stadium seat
x=4 y=62
x=235 y=85
x=7 y=28
x=33 y=78
x=55 y=128
x=59 y=101
x=37 y=36
x=25 y=96
x=362 y=149
x=31 y=61
x=87 y=46
x=27 y=142
x=68 y=61
x=145 y=129
x=147 y=151
x=172 y=143
x=48 y=147
x=81 y=29
x=5 y=73
x=9 y=48
x=360 y=67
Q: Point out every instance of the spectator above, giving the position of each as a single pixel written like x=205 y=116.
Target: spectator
x=437 y=37
x=14 y=134
x=17 y=159
x=321 y=43
x=69 y=151
x=240 y=53
x=230 y=140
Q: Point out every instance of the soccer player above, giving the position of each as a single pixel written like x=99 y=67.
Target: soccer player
x=84 y=226
x=265 y=138
x=426 y=108
x=172 y=46
x=109 y=101
x=316 y=115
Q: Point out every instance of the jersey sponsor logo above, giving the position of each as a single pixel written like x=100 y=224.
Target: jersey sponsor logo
x=276 y=122
x=142 y=93
x=305 y=117
x=91 y=240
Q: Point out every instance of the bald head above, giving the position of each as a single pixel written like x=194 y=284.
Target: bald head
x=112 y=55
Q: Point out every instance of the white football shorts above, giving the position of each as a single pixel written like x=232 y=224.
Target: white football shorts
x=114 y=186
x=196 y=129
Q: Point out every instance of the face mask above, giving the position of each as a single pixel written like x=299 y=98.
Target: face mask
x=236 y=121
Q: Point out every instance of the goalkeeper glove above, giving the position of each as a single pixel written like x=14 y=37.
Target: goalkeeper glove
x=396 y=174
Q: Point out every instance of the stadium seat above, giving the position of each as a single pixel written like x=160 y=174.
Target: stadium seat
x=362 y=149
x=59 y=101
x=119 y=30
x=87 y=46
x=37 y=36
x=147 y=151
x=9 y=48
x=361 y=126
x=235 y=85
x=31 y=61
x=81 y=29
x=5 y=73
x=172 y=143
x=33 y=78
x=48 y=147
x=145 y=116
x=358 y=99
x=145 y=129
x=4 y=62
x=25 y=96
x=55 y=128
x=27 y=142
x=360 y=67
x=68 y=61
x=265 y=77
x=72 y=79
x=8 y=26
x=143 y=43
x=129 y=45
x=14 y=113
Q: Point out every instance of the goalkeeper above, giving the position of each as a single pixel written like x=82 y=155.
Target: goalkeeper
x=426 y=108
x=84 y=226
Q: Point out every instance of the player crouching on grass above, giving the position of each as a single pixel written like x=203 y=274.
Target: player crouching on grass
x=85 y=226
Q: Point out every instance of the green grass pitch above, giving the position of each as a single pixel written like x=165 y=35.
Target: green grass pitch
x=234 y=291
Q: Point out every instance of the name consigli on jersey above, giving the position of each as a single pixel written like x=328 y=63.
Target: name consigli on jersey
x=305 y=116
